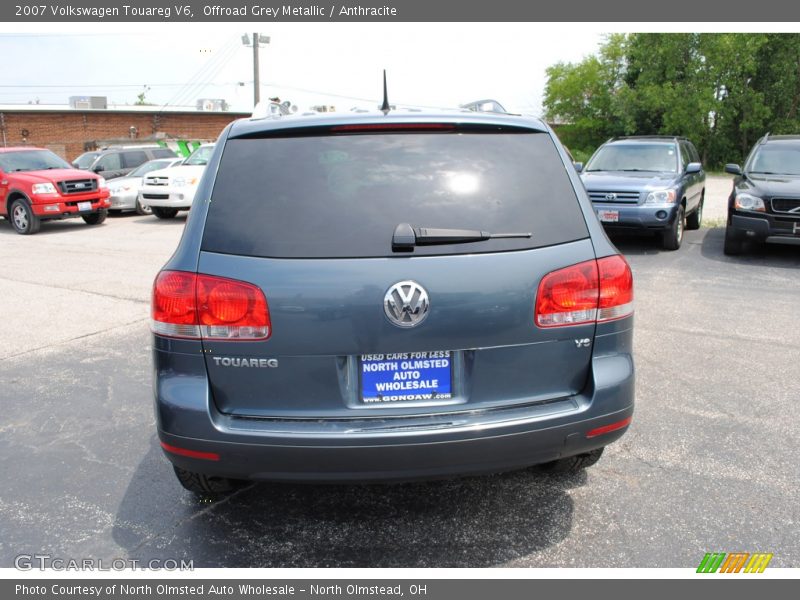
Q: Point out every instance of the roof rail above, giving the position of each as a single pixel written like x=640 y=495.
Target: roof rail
x=649 y=137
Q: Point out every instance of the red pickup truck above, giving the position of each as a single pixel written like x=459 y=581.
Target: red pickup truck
x=36 y=185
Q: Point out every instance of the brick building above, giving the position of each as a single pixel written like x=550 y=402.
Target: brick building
x=69 y=131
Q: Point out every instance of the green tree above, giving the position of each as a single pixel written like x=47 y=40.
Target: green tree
x=777 y=77
x=581 y=96
x=722 y=91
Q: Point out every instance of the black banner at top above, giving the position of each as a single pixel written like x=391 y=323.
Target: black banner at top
x=680 y=11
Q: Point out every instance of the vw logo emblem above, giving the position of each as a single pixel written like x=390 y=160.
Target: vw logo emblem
x=611 y=196
x=406 y=304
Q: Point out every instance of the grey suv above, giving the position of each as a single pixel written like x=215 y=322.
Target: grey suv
x=116 y=162
x=649 y=183
x=379 y=296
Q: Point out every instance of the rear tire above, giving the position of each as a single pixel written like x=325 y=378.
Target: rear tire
x=694 y=220
x=22 y=218
x=734 y=242
x=571 y=464
x=205 y=484
x=95 y=218
x=674 y=235
x=164 y=213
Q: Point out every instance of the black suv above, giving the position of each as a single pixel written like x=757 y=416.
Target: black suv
x=116 y=162
x=647 y=183
x=764 y=205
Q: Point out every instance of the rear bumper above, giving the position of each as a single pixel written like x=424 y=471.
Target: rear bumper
x=123 y=200
x=635 y=216
x=379 y=449
x=768 y=228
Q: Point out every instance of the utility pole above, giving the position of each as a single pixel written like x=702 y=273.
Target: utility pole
x=258 y=39
x=256 y=82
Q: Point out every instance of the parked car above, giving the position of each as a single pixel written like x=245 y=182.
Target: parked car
x=85 y=160
x=647 y=183
x=764 y=206
x=365 y=297
x=171 y=190
x=125 y=190
x=37 y=185
x=118 y=161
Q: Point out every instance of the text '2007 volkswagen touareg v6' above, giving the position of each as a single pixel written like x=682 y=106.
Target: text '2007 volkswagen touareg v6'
x=379 y=296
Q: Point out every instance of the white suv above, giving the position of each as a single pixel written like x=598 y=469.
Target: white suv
x=169 y=190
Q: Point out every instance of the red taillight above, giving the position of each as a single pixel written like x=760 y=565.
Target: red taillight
x=174 y=298
x=189 y=305
x=595 y=290
x=190 y=453
x=568 y=296
x=609 y=428
x=616 y=288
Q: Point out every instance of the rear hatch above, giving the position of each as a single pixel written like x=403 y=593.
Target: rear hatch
x=309 y=217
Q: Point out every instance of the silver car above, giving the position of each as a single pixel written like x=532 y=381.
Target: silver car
x=125 y=190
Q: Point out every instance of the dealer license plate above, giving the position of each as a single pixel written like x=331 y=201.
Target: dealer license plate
x=608 y=216
x=388 y=379
x=84 y=206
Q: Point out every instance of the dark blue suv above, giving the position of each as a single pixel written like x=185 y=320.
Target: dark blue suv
x=649 y=183
x=378 y=296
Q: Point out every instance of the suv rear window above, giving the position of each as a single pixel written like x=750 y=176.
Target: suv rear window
x=343 y=195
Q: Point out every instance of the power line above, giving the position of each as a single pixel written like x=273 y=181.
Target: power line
x=218 y=56
x=199 y=73
x=199 y=86
x=101 y=85
x=357 y=98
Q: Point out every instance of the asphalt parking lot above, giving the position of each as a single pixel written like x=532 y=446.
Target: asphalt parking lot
x=709 y=464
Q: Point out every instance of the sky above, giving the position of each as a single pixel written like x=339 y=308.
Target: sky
x=339 y=64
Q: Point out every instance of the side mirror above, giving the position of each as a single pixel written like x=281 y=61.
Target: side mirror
x=694 y=167
x=98 y=169
x=733 y=169
x=578 y=167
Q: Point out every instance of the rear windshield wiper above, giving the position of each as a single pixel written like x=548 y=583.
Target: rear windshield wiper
x=406 y=237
